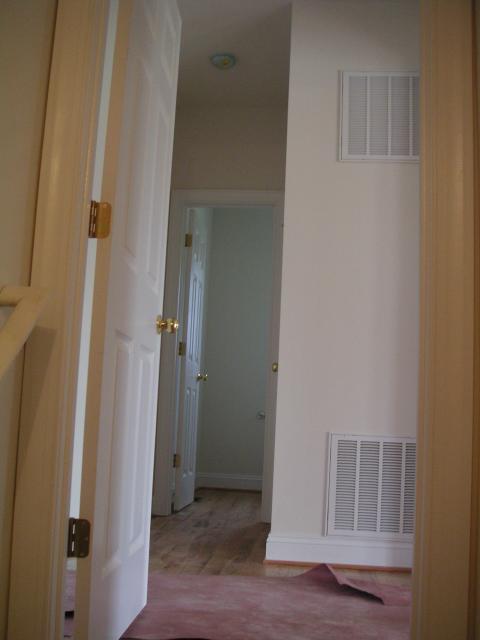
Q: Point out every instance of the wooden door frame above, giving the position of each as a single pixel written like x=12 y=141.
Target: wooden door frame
x=445 y=563
x=44 y=459
x=169 y=384
x=447 y=530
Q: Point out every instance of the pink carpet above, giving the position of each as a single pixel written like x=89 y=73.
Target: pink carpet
x=317 y=605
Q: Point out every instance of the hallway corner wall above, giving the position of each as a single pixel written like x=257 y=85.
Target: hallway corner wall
x=349 y=319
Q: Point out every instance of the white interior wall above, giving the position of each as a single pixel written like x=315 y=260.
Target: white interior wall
x=350 y=273
x=26 y=33
x=229 y=148
x=230 y=445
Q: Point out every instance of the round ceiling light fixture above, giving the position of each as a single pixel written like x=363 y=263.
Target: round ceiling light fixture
x=223 y=60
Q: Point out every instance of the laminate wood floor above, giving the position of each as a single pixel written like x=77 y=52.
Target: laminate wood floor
x=221 y=533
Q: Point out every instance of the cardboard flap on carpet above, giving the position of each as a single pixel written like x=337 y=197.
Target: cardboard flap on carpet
x=392 y=595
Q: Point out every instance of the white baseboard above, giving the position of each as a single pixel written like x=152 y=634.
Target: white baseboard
x=336 y=550
x=228 y=481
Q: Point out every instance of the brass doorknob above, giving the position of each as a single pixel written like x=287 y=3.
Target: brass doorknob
x=275 y=367
x=168 y=325
x=202 y=376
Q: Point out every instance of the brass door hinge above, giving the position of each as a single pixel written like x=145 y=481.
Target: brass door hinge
x=176 y=460
x=182 y=348
x=100 y=219
x=188 y=239
x=78 y=538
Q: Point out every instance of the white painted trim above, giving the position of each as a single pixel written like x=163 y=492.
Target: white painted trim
x=337 y=550
x=228 y=481
x=169 y=365
x=272 y=379
x=227 y=198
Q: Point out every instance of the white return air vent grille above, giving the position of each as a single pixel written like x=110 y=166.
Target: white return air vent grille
x=380 y=116
x=371 y=487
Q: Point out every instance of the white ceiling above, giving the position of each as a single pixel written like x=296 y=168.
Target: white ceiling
x=257 y=32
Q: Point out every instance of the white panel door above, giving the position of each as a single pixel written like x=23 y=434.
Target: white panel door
x=192 y=374
x=125 y=347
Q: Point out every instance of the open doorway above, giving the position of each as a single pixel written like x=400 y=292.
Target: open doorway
x=194 y=448
x=237 y=325
x=216 y=421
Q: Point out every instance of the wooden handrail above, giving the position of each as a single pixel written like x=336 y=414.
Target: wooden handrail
x=28 y=303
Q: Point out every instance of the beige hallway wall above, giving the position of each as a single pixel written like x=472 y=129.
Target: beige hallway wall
x=230 y=148
x=26 y=33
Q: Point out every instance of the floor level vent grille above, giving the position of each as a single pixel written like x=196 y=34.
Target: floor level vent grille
x=371 y=489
